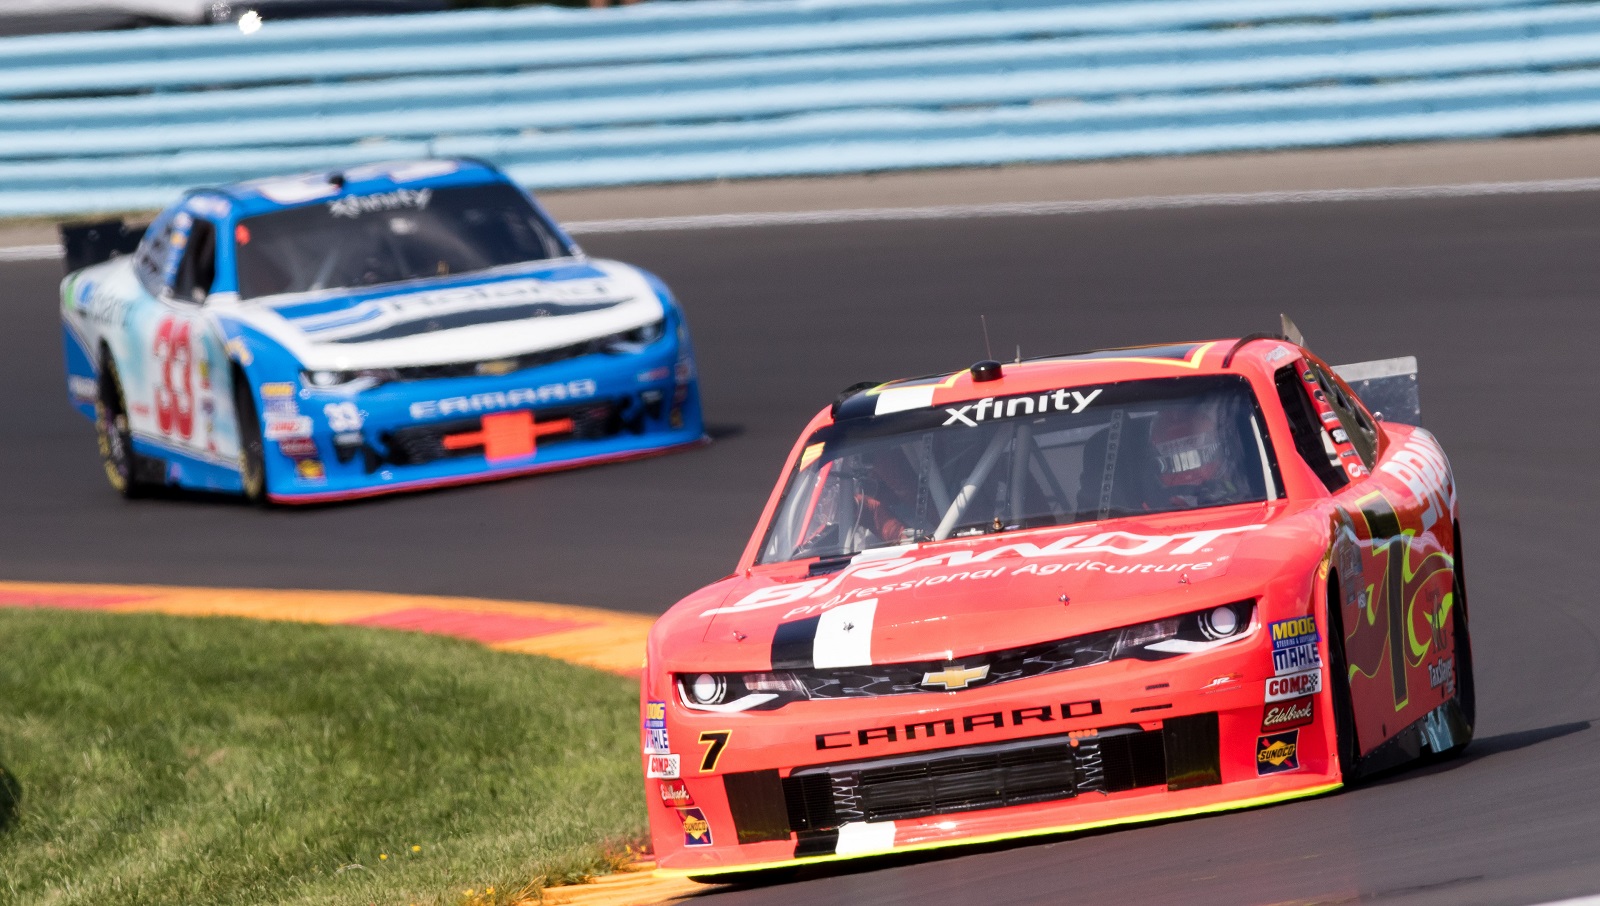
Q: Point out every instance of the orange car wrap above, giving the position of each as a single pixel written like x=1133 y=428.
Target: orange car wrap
x=1360 y=576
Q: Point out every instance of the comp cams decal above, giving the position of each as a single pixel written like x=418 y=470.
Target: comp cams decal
x=664 y=767
x=1295 y=685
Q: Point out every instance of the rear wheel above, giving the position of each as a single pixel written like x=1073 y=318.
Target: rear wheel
x=1344 y=714
x=252 y=470
x=1466 y=697
x=114 y=436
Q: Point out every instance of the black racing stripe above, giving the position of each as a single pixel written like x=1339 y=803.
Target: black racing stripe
x=793 y=644
x=480 y=316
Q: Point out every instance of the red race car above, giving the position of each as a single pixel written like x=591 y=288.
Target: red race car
x=1066 y=593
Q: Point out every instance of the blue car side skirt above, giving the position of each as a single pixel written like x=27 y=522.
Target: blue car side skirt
x=188 y=469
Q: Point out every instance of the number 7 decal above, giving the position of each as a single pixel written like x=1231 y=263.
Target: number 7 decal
x=714 y=741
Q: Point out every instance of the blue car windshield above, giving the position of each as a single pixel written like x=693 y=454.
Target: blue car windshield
x=1065 y=456
x=387 y=237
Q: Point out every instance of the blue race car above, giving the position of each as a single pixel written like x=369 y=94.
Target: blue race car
x=384 y=328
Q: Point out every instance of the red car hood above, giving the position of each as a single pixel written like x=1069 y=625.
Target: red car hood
x=948 y=599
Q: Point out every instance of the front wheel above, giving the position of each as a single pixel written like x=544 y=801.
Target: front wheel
x=1344 y=714
x=113 y=434
x=252 y=470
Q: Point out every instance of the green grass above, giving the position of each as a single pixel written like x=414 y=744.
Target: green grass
x=160 y=760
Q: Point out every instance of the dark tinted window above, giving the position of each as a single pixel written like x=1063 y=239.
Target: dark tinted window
x=155 y=251
x=1363 y=435
x=386 y=237
x=1051 y=458
x=198 y=268
x=1310 y=440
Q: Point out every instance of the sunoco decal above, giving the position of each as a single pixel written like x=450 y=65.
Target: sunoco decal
x=1278 y=753
x=696 y=829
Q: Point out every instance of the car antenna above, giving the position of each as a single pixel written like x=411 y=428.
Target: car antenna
x=1019 y=354
x=988 y=351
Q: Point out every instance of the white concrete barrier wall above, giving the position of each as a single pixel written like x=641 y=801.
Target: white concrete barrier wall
x=748 y=88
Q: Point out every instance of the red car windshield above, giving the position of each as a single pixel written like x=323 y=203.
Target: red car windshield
x=1054 y=458
x=386 y=237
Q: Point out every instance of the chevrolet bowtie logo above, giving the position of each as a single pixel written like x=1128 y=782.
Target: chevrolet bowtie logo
x=955 y=677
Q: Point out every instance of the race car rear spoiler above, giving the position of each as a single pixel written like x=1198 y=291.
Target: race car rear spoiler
x=1388 y=387
x=86 y=243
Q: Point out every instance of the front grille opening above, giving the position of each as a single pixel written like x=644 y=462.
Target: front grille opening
x=1023 y=772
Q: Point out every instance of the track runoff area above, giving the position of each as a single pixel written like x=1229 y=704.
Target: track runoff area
x=1465 y=377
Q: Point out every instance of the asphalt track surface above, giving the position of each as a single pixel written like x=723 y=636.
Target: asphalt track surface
x=1496 y=296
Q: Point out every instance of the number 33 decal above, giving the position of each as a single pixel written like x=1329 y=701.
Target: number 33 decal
x=175 y=393
x=342 y=416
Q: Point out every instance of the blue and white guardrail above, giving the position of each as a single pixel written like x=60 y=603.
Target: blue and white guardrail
x=745 y=88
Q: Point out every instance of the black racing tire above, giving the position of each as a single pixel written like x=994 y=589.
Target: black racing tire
x=1346 y=744
x=1466 y=697
x=113 y=434
x=252 y=461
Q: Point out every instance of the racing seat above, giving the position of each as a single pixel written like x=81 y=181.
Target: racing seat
x=1134 y=473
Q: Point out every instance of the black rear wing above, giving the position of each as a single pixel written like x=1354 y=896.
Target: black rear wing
x=1388 y=387
x=91 y=242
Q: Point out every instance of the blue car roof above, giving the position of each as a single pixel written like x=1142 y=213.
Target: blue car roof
x=278 y=193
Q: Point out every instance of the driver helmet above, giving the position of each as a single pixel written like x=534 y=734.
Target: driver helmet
x=1188 y=445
